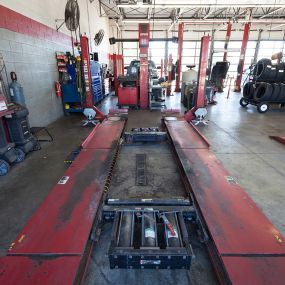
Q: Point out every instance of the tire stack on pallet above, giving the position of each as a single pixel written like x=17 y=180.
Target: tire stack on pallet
x=267 y=86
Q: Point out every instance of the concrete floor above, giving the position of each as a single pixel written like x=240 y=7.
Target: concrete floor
x=238 y=136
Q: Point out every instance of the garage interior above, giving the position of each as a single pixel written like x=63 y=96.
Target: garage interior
x=142 y=142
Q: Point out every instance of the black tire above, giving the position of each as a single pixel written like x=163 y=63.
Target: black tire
x=4 y=167
x=276 y=92
x=262 y=70
x=243 y=102
x=281 y=97
x=280 y=73
x=262 y=107
x=263 y=92
x=248 y=90
x=272 y=75
x=20 y=155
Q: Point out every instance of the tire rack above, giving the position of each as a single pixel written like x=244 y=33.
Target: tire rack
x=274 y=78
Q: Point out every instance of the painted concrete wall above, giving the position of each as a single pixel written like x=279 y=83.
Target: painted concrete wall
x=47 y=12
x=33 y=57
x=34 y=62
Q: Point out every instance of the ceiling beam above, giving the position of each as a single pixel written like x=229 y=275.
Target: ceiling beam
x=177 y=18
x=189 y=5
x=149 y=11
x=281 y=25
x=276 y=10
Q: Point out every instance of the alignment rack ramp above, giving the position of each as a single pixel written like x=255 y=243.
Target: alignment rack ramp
x=244 y=245
x=54 y=246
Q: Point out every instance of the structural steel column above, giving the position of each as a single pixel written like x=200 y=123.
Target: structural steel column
x=179 y=56
x=144 y=45
x=169 y=68
x=211 y=52
x=242 y=57
x=228 y=35
x=200 y=99
x=257 y=47
x=166 y=55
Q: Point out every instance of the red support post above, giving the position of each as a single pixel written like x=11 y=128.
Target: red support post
x=242 y=57
x=85 y=59
x=200 y=99
x=116 y=82
x=228 y=35
x=123 y=67
x=144 y=35
x=179 y=56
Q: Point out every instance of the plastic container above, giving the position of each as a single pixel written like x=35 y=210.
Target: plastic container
x=16 y=91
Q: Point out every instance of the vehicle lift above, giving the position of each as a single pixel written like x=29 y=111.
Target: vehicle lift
x=244 y=246
x=130 y=90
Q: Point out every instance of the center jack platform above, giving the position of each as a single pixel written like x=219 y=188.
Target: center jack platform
x=150 y=234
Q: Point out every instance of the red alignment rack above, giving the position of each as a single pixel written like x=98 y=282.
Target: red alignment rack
x=56 y=238
x=250 y=249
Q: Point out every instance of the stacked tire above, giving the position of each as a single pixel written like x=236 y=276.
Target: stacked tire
x=268 y=85
x=264 y=71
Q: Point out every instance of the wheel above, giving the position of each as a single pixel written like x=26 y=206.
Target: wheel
x=243 y=102
x=262 y=107
x=20 y=155
x=4 y=167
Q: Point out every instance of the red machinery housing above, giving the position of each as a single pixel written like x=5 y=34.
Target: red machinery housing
x=133 y=88
x=118 y=68
x=128 y=96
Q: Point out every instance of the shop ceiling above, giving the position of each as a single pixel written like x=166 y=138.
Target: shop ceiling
x=199 y=12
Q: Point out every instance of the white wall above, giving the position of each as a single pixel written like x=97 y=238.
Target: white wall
x=33 y=59
x=47 y=11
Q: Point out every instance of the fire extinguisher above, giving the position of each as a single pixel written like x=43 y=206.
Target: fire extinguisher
x=58 y=89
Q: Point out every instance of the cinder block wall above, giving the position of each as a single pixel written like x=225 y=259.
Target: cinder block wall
x=33 y=59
